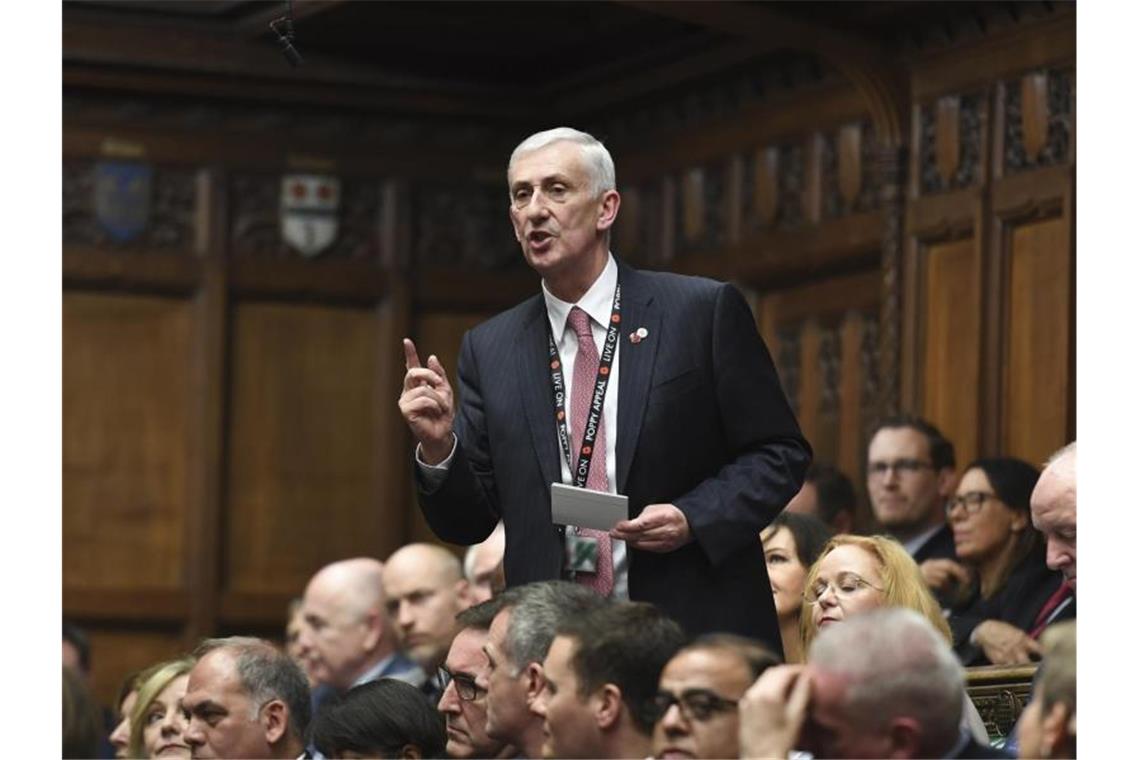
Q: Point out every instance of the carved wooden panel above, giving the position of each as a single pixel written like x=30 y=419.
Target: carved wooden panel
x=701 y=208
x=256 y=211
x=952 y=343
x=163 y=211
x=1040 y=115
x=828 y=364
x=303 y=447
x=951 y=142
x=1038 y=381
x=1000 y=693
x=466 y=226
x=849 y=182
x=126 y=407
x=775 y=182
x=788 y=362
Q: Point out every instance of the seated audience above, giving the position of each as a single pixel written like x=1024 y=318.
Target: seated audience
x=425 y=588
x=828 y=495
x=385 y=718
x=346 y=636
x=698 y=694
x=601 y=673
x=157 y=723
x=1005 y=607
x=791 y=544
x=128 y=694
x=517 y=643
x=483 y=567
x=464 y=700
x=81 y=729
x=245 y=699
x=883 y=684
x=1048 y=725
x=856 y=574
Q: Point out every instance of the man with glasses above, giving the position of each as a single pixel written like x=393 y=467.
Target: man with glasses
x=910 y=475
x=601 y=681
x=518 y=642
x=697 y=698
x=464 y=700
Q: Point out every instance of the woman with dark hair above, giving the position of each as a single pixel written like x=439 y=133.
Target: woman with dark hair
x=1014 y=594
x=385 y=718
x=791 y=544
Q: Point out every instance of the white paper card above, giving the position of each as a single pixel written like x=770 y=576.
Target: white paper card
x=587 y=509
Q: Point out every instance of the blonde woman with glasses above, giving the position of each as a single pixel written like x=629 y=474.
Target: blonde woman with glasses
x=856 y=574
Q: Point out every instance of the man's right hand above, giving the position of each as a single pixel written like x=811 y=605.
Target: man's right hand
x=428 y=405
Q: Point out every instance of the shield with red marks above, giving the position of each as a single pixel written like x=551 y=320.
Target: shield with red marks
x=309 y=205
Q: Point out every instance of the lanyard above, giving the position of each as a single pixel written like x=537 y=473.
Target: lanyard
x=593 y=418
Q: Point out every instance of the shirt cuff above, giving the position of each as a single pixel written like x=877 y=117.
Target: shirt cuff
x=435 y=474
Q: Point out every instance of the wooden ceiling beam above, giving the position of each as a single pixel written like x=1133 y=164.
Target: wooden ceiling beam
x=865 y=65
x=257 y=23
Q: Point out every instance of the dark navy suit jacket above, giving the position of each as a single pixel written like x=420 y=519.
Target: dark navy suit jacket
x=702 y=423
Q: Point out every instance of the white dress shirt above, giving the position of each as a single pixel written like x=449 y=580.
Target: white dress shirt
x=598 y=303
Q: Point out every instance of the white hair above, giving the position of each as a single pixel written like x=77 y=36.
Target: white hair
x=1061 y=453
x=895 y=664
x=597 y=160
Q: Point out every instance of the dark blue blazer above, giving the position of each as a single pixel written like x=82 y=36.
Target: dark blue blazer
x=703 y=424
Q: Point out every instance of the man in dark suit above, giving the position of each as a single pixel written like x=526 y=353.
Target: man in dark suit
x=694 y=428
x=910 y=475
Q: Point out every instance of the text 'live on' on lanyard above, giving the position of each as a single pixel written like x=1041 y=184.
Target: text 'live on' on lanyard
x=593 y=419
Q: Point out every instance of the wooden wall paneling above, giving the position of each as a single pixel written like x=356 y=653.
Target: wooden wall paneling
x=1037 y=388
x=302 y=446
x=204 y=524
x=117 y=651
x=126 y=423
x=951 y=352
x=811 y=381
x=850 y=452
x=813 y=178
x=393 y=442
x=734 y=201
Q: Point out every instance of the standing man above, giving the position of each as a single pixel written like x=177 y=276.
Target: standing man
x=693 y=426
x=910 y=475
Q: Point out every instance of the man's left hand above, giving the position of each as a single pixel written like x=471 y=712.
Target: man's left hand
x=659 y=528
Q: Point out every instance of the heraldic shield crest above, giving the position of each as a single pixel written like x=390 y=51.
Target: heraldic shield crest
x=122 y=198
x=309 y=212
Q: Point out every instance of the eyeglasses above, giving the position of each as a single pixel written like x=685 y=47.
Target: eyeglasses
x=972 y=501
x=900 y=466
x=465 y=685
x=695 y=704
x=845 y=586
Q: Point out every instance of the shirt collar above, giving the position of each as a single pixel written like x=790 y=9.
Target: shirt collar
x=920 y=540
x=374 y=672
x=598 y=301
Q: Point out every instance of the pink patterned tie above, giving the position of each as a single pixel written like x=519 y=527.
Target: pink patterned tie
x=585 y=375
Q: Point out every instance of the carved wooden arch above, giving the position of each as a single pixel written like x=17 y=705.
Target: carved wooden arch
x=882 y=88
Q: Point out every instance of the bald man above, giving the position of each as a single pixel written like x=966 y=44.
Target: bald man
x=1054 y=509
x=425 y=589
x=483 y=567
x=346 y=637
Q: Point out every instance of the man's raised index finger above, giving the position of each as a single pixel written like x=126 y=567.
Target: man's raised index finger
x=411 y=358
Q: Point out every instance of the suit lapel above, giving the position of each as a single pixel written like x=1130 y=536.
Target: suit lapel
x=636 y=367
x=533 y=379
